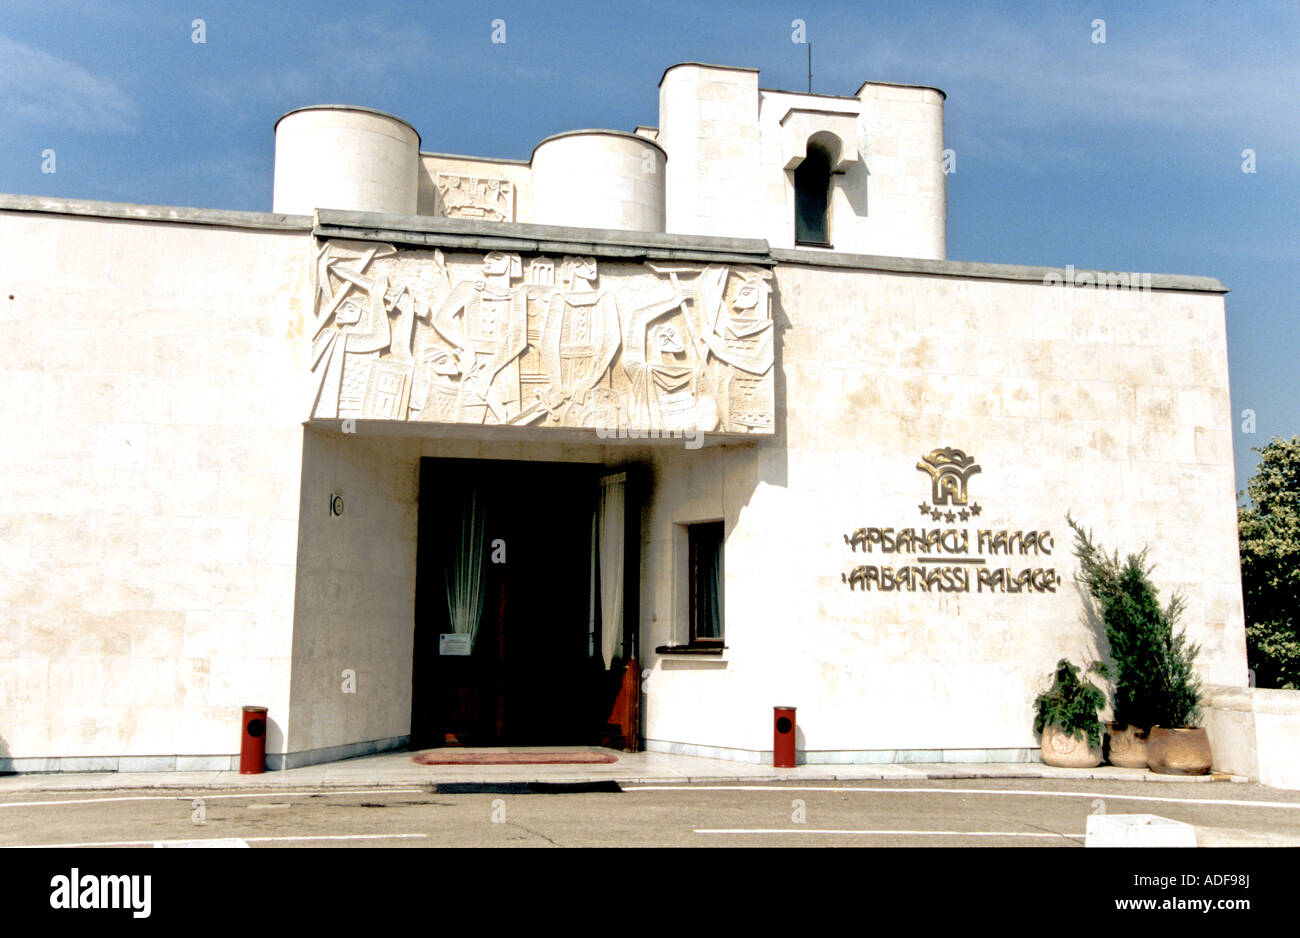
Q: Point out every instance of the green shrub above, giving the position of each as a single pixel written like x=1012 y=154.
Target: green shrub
x=1274 y=652
x=1071 y=704
x=1268 y=529
x=1154 y=680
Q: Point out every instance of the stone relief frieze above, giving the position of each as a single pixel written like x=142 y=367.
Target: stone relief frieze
x=479 y=197
x=494 y=339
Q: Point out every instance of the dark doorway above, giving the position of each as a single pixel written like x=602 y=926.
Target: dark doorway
x=534 y=674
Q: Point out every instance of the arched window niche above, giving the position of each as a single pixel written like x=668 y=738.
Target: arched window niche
x=812 y=193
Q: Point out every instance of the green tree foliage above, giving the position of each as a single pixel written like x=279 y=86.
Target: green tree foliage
x=1071 y=704
x=1154 y=680
x=1268 y=529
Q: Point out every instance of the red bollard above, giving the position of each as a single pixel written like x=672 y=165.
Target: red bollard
x=783 y=737
x=252 y=742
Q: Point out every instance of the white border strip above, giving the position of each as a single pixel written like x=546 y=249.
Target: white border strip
x=206 y=797
x=153 y=843
x=1289 y=805
x=815 y=830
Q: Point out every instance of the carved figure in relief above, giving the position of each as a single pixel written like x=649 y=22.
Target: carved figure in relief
x=486 y=321
x=476 y=197
x=395 y=339
x=366 y=362
x=737 y=339
x=655 y=359
x=437 y=387
x=579 y=338
x=388 y=384
x=350 y=331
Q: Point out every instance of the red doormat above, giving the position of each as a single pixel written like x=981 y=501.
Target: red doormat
x=506 y=757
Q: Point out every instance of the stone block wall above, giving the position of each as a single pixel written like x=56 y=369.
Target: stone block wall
x=1111 y=405
x=152 y=448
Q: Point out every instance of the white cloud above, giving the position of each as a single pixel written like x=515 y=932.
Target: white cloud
x=43 y=89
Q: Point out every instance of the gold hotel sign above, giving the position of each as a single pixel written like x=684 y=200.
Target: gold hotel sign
x=940 y=559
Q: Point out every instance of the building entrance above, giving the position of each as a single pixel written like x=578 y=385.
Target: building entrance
x=526 y=598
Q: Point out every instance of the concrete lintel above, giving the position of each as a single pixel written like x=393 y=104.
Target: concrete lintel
x=818 y=112
x=622 y=437
x=482 y=235
x=980 y=270
x=578 y=247
x=164 y=213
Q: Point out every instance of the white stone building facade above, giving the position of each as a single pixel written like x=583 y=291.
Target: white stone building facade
x=725 y=464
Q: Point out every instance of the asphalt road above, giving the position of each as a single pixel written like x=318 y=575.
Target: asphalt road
x=932 y=813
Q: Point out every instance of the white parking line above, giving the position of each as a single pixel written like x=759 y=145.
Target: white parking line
x=817 y=830
x=1288 y=805
x=150 y=843
x=207 y=797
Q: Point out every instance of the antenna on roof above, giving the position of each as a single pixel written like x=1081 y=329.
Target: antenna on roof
x=810 y=68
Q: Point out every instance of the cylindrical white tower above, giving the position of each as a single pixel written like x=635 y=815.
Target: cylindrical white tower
x=352 y=158
x=599 y=179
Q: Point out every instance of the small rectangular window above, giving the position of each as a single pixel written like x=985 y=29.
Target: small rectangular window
x=705 y=561
x=812 y=184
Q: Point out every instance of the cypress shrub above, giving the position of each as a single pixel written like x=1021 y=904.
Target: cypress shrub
x=1154 y=681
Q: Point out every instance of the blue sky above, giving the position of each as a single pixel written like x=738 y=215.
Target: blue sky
x=1124 y=155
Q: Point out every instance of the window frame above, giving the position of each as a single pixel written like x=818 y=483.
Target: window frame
x=695 y=534
x=825 y=158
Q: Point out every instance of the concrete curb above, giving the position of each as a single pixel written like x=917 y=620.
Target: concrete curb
x=336 y=779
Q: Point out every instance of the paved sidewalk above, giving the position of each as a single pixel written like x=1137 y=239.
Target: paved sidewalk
x=395 y=769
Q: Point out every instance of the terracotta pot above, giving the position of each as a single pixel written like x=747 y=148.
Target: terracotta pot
x=1179 y=751
x=1068 y=752
x=1126 y=746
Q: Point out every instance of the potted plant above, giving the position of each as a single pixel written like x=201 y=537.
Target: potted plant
x=1155 y=685
x=1066 y=716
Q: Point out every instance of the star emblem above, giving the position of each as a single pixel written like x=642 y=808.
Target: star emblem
x=975 y=508
x=964 y=515
x=936 y=514
x=950 y=517
x=925 y=509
